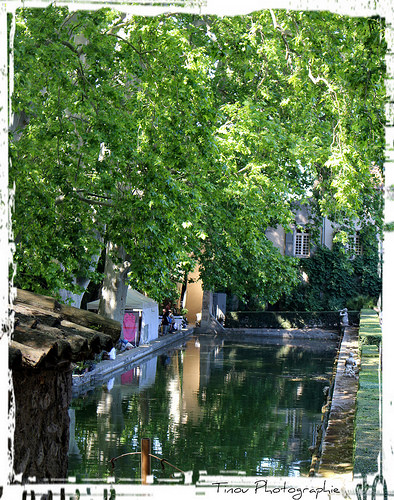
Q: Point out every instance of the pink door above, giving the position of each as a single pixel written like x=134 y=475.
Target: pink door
x=130 y=324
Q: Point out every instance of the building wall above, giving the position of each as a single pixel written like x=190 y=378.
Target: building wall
x=302 y=215
x=194 y=293
x=284 y=241
x=327 y=233
x=277 y=236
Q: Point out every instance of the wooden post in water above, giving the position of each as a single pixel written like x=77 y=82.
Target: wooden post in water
x=145 y=460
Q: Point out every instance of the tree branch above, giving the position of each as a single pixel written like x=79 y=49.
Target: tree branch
x=319 y=79
x=119 y=24
x=71 y=47
x=92 y=194
x=140 y=53
x=93 y=202
x=284 y=35
x=78 y=193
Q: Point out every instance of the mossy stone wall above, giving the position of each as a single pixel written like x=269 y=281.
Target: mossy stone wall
x=368 y=435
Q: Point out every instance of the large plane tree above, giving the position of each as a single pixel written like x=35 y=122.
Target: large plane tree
x=178 y=139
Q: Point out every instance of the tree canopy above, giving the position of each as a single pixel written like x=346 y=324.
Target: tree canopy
x=181 y=139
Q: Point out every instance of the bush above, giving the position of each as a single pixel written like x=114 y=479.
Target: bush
x=370 y=332
x=361 y=302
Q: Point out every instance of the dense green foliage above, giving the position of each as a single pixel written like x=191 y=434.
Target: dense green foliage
x=335 y=280
x=370 y=328
x=182 y=139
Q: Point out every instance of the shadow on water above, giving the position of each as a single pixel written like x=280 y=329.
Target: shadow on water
x=212 y=404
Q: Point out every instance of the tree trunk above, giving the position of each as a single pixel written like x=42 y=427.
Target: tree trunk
x=75 y=299
x=114 y=291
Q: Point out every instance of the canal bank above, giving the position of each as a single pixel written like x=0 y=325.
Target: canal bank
x=351 y=437
x=288 y=335
x=337 y=446
x=104 y=369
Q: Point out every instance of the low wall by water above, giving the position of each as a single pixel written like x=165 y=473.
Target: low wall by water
x=337 y=448
x=81 y=383
x=288 y=319
x=280 y=335
x=352 y=440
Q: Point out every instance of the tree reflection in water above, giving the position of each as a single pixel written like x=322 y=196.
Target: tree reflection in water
x=210 y=405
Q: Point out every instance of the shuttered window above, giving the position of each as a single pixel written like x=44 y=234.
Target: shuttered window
x=354 y=244
x=302 y=244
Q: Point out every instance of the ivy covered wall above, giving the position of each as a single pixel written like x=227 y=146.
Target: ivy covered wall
x=333 y=279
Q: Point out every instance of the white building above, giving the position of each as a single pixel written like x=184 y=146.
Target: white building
x=298 y=242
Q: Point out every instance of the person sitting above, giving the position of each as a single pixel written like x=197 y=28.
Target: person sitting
x=166 y=320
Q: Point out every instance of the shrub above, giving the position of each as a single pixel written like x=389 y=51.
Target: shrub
x=361 y=302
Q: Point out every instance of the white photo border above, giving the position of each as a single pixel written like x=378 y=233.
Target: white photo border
x=359 y=8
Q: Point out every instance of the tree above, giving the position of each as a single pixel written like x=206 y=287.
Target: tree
x=114 y=148
x=316 y=82
x=172 y=139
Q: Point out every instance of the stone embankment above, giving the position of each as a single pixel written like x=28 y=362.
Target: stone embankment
x=108 y=368
x=286 y=335
x=337 y=449
x=352 y=440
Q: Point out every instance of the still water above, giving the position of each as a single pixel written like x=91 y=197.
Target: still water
x=210 y=404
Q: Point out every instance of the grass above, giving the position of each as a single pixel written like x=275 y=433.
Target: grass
x=367 y=434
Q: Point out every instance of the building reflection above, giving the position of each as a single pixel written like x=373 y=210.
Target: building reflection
x=191 y=382
x=174 y=398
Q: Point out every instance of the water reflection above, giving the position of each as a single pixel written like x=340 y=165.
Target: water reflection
x=212 y=405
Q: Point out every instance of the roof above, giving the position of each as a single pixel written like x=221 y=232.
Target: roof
x=134 y=300
x=48 y=334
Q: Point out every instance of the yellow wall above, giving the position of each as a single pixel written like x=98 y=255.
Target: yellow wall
x=193 y=297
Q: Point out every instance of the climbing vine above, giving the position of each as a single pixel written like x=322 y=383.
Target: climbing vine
x=333 y=279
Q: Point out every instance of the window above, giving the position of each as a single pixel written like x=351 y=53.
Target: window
x=302 y=244
x=354 y=244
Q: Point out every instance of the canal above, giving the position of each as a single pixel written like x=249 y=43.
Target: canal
x=211 y=404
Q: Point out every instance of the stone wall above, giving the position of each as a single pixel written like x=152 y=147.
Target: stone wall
x=337 y=448
x=41 y=400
